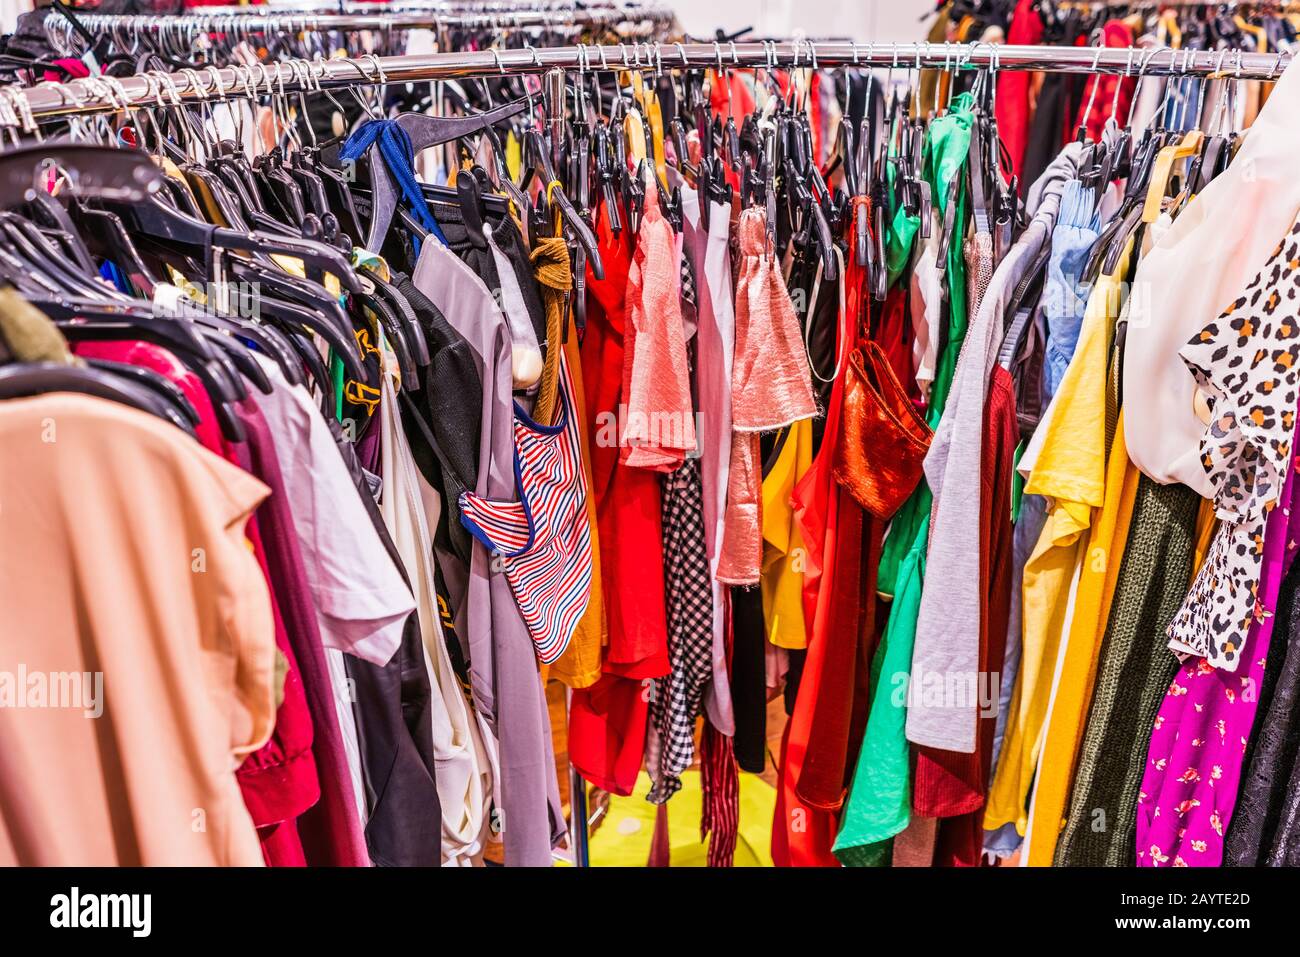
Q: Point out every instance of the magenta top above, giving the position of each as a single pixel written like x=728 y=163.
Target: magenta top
x=1198 y=744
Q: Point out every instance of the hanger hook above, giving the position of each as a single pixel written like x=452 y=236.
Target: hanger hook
x=172 y=90
x=250 y=87
x=192 y=76
x=23 y=108
x=1128 y=70
x=1164 y=102
x=1217 y=122
x=947 y=68
x=871 y=73
x=1096 y=84
x=8 y=117
x=966 y=56
x=355 y=63
x=217 y=86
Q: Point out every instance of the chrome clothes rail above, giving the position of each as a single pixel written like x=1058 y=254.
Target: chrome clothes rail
x=485 y=7
x=26 y=107
x=188 y=28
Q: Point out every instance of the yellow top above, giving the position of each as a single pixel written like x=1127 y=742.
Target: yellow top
x=783 y=548
x=579 y=666
x=1071 y=473
x=1069 y=713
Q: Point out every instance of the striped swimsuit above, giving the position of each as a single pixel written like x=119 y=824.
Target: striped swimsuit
x=543 y=541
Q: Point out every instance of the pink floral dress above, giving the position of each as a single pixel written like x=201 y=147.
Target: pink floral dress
x=1247 y=360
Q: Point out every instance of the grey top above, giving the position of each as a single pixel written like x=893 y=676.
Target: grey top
x=504 y=678
x=948 y=621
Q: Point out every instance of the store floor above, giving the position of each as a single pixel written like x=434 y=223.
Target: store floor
x=684 y=808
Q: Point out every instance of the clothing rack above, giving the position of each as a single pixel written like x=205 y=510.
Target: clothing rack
x=184 y=30
x=189 y=27
x=26 y=108
x=1262 y=6
x=90 y=95
x=484 y=8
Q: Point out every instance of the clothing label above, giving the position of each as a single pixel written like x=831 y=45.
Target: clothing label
x=167 y=299
x=420 y=41
x=1201 y=405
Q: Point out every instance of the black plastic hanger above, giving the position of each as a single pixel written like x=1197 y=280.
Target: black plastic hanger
x=155 y=382
x=424 y=131
x=23 y=379
x=538 y=155
x=111 y=241
x=167 y=225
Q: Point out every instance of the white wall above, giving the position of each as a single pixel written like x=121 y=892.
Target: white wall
x=879 y=21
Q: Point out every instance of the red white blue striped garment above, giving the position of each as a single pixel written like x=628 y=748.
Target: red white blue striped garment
x=543 y=541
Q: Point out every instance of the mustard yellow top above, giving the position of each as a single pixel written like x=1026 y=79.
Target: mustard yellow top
x=1070 y=472
x=1069 y=713
x=783 y=548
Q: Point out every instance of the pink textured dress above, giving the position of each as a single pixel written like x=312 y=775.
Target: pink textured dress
x=771 y=387
x=658 y=419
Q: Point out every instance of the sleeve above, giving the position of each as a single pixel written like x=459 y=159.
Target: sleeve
x=225 y=496
x=361 y=597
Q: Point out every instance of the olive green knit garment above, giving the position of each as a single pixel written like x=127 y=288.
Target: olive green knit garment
x=1133 y=674
x=1114 y=376
x=29 y=333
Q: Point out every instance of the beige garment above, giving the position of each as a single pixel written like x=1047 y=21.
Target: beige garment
x=1193 y=272
x=464 y=778
x=122 y=552
x=925 y=299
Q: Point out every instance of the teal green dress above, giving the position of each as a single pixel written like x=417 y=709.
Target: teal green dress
x=879 y=802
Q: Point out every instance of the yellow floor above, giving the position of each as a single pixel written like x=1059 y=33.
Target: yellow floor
x=624 y=836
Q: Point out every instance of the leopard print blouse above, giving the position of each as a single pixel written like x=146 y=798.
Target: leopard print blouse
x=1247 y=362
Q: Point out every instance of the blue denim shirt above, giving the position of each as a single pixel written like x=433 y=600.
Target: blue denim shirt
x=1064 y=299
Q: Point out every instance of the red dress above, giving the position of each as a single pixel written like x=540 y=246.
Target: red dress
x=607 y=722
x=948 y=785
x=814 y=745
x=1012 y=106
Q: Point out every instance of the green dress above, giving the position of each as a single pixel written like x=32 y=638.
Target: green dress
x=879 y=802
